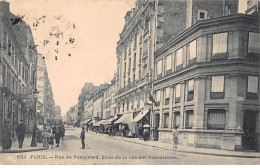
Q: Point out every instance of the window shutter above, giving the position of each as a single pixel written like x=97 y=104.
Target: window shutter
x=220 y=43
x=179 y=57
x=190 y=85
x=193 y=49
x=178 y=90
x=254 y=42
x=252 y=84
x=217 y=84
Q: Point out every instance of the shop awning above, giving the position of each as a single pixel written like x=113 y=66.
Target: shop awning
x=97 y=124
x=87 y=121
x=109 y=121
x=125 y=118
x=140 y=115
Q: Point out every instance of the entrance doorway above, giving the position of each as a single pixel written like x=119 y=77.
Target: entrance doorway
x=249 y=127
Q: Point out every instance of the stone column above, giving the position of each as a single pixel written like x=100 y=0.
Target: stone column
x=161 y=112
x=235 y=113
x=170 y=107
x=199 y=100
x=182 y=105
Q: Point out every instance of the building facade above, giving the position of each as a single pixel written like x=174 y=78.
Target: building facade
x=110 y=109
x=18 y=65
x=147 y=28
x=206 y=84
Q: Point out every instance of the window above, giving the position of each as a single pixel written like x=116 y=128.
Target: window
x=217 y=87
x=168 y=64
x=157 y=97
x=193 y=52
x=216 y=119
x=219 y=46
x=254 y=42
x=159 y=68
x=165 y=120
x=252 y=87
x=202 y=14
x=167 y=96
x=217 y=84
x=190 y=90
x=176 y=119
x=178 y=93
x=189 y=119
x=254 y=46
x=179 y=59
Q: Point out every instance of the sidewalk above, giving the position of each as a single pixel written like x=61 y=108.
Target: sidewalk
x=185 y=149
x=26 y=147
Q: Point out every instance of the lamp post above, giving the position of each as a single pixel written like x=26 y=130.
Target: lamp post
x=35 y=96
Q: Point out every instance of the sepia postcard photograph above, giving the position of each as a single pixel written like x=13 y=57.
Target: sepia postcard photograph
x=129 y=82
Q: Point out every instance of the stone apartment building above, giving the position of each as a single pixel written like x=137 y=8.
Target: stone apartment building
x=147 y=28
x=109 y=101
x=45 y=103
x=18 y=66
x=207 y=84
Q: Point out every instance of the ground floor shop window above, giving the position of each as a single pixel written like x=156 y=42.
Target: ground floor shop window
x=189 y=119
x=176 y=119
x=216 y=119
x=165 y=120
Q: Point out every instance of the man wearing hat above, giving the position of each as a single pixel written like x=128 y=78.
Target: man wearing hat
x=20 y=132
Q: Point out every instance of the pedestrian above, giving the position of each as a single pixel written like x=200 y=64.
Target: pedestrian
x=146 y=134
x=175 y=138
x=20 y=132
x=6 y=138
x=34 y=136
x=44 y=136
x=140 y=132
x=57 y=139
x=82 y=137
x=51 y=140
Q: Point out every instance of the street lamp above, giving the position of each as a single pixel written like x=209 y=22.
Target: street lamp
x=35 y=96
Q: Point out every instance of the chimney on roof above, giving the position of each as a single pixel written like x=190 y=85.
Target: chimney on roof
x=4 y=8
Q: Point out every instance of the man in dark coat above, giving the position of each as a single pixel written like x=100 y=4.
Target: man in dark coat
x=82 y=137
x=20 y=132
x=6 y=138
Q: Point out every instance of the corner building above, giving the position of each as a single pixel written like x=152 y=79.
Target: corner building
x=147 y=28
x=207 y=84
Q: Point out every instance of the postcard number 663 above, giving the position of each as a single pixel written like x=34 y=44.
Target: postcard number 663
x=21 y=156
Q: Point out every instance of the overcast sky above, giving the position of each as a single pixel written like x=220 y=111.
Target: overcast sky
x=81 y=35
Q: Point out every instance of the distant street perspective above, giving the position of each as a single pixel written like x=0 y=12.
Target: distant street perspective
x=104 y=149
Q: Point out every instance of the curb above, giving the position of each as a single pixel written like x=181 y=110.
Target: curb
x=184 y=151
x=24 y=150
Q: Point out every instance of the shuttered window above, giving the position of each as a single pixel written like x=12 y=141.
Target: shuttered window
x=159 y=67
x=254 y=43
x=190 y=85
x=178 y=90
x=216 y=119
x=220 y=43
x=252 y=86
x=189 y=119
x=168 y=63
x=165 y=120
x=176 y=123
x=179 y=57
x=158 y=96
x=193 y=49
x=166 y=96
x=217 y=84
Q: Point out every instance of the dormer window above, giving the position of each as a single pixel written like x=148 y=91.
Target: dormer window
x=202 y=14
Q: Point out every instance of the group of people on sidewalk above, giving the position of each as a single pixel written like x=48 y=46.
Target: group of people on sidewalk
x=43 y=134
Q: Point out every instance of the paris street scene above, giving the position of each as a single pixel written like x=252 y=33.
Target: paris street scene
x=130 y=82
